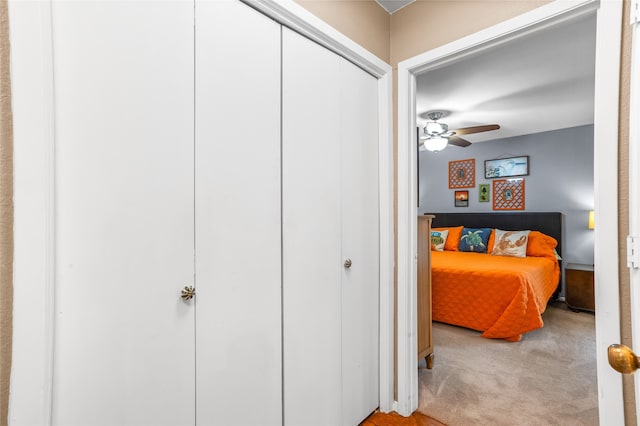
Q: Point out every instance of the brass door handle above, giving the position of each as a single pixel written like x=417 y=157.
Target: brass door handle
x=187 y=293
x=347 y=263
x=622 y=359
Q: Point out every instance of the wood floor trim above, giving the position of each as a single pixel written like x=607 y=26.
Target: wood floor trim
x=395 y=419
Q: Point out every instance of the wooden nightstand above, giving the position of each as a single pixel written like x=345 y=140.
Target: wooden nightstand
x=579 y=291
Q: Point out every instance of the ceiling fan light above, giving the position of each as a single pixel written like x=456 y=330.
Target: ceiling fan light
x=433 y=128
x=435 y=144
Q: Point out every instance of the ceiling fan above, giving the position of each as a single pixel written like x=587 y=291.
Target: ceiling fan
x=437 y=136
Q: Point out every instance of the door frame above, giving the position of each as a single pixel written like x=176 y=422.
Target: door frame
x=608 y=33
x=34 y=168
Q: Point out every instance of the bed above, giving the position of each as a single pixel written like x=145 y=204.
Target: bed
x=500 y=295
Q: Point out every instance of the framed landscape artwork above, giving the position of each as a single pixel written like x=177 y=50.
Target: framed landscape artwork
x=461 y=198
x=506 y=167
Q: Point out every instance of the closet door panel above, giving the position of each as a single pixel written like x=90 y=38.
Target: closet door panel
x=311 y=233
x=124 y=339
x=360 y=242
x=238 y=216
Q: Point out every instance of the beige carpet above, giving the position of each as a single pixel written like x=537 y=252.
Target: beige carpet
x=548 y=378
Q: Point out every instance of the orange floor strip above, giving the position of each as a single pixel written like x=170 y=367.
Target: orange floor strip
x=395 y=419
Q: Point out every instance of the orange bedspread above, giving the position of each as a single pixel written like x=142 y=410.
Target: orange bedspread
x=502 y=296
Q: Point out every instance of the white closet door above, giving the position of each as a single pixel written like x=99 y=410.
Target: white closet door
x=330 y=214
x=360 y=242
x=311 y=233
x=124 y=339
x=238 y=216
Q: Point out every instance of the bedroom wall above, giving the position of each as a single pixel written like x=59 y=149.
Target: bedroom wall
x=560 y=179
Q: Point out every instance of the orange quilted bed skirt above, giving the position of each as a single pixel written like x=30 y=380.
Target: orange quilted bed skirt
x=501 y=296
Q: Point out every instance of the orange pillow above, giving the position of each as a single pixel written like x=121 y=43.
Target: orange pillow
x=541 y=245
x=492 y=241
x=453 y=239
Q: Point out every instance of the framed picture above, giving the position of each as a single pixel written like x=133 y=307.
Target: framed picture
x=462 y=173
x=461 y=198
x=484 y=193
x=508 y=194
x=506 y=167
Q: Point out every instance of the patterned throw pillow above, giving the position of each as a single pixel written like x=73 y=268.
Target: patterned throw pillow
x=510 y=243
x=438 y=239
x=453 y=238
x=474 y=239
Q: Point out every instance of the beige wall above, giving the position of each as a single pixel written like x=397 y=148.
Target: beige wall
x=623 y=209
x=6 y=215
x=424 y=25
x=363 y=21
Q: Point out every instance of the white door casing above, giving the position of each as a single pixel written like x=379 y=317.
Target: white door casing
x=34 y=213
x=237 y=224
x=605 y=178
x=606 y=258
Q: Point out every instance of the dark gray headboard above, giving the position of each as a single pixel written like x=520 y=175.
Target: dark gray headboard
x=549 y=223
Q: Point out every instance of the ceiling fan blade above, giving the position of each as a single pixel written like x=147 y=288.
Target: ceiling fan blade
x=476 y=129
x=454 y=140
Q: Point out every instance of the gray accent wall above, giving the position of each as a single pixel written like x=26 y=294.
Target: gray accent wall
x=560 y=180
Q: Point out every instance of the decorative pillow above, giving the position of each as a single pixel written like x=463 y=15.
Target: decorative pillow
x=474 y=239
x=541 y=245
x=453 y=238
x=492 y=241
x=438 y=239
x=511 y=243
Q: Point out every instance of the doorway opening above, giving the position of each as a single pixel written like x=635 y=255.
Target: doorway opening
x=605 y=202
x=525 y=108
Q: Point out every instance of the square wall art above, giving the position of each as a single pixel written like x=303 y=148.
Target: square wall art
x=508 y=194
x=462 y=173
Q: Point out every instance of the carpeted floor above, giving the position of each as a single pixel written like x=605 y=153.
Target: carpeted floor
x=548 y=378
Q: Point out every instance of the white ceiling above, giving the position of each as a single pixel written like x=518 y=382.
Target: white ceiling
x=393 y=5
x=536 y=83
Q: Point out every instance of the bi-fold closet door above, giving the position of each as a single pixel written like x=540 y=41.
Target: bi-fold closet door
x=174 y=168
x=330 y=236
x=296 y=332
x=124 y=217
x=238 y=219
x=168 y=175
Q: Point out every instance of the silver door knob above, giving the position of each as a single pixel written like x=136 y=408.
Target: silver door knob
x=187 y=293
x=347 y=263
